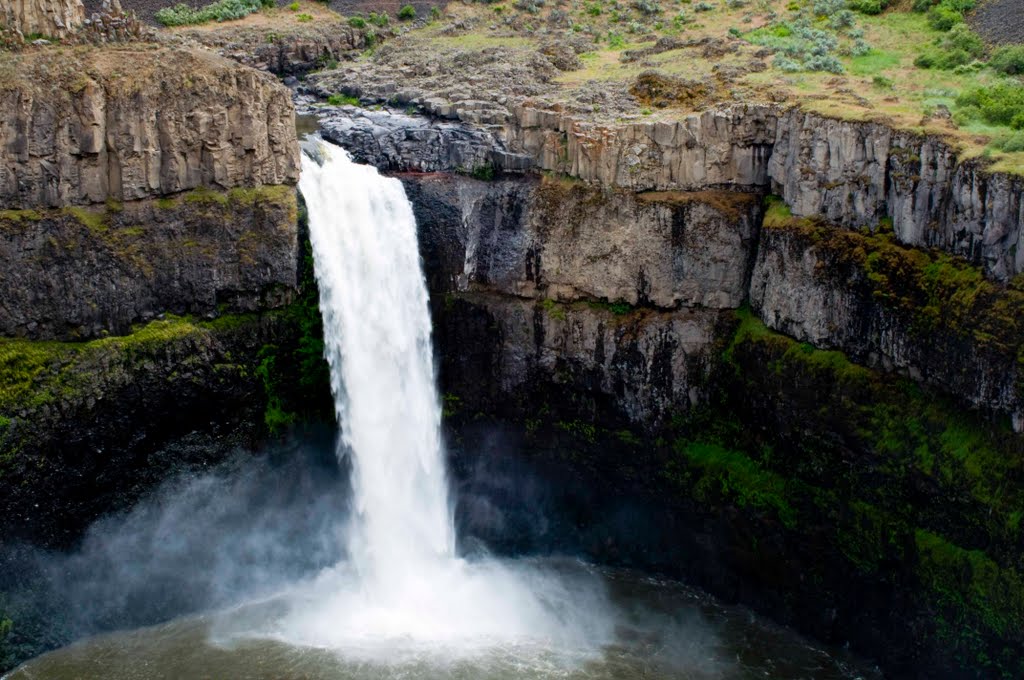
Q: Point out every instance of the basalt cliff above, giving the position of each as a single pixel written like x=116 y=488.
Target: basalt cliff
x=151 y=251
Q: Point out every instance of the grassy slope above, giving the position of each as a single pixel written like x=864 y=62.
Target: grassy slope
x=882 y=85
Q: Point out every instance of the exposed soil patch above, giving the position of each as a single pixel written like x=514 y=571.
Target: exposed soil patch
x=660 y=91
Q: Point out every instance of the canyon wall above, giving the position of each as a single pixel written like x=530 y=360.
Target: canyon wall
x=151 y=246
x=139 y=122
x=848 y=173
x=845 y=399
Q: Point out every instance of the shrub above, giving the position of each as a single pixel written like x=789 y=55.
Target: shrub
x=827 y=8
x=294 y=7
x=1009 y=59
x=223 y=10
x=882 y=82
x=786 y=64
x=868 y=6
x=615 y=41
x=303 y=18
x=648 y=7
x=823 y=62
x=379 y=20
x=958 y=48
x=357 y=22
x=1001 y=104
x=531 y=6
x=1011 y=143
x=594 y=9
x=406 y=13
x=840 y=20
x=961 y=37
x=943 y=18
x=435 y=13
x=703 y=7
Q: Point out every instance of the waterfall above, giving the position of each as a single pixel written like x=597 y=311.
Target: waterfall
x=403 y=589
x=373 y=298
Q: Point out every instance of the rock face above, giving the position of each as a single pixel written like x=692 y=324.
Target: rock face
x=101 y=422
x=82 y=130
x=853 y=174
x=288 y=50
x=563 y=240
x=849 y=499
x=818 y=288
x=519 y=356
x=51 y=18
x=398 y=142
x=723 y=147
x=80 y=273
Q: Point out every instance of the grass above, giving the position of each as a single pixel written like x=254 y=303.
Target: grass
x=33 y=373
x=725 y=473
x=972 y=585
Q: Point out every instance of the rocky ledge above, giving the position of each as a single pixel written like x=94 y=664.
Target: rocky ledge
x=127 y=123
x=849 y=173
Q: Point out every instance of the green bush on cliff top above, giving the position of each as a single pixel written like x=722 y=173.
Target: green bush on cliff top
x=223 y=10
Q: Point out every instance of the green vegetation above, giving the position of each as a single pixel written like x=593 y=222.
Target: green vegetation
x=729 y=475
x=973 y=592
x=294 y=373
x=809 y=38
x=958 y=47
x=407 y=13
x=222 y=10
x=825 y=411
x=451 y=405
x=940 y=293
x=20 y=216
x=357 y=22
x=553 y=309
x=34 y=373
x=342 y=100
x=617 y=308
x=1008 y=59
x=484 y=173
x=1000 y=104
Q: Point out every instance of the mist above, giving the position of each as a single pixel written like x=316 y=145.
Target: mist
x=201 y=541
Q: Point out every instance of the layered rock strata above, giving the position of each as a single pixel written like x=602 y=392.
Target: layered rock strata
x=868 y=503
x=84 y=272
x=851 y=173
x=83 y=129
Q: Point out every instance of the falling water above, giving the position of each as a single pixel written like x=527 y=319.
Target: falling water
x=403 y=580
x=377 y=339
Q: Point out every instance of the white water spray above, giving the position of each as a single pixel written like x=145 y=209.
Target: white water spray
x=403 y=590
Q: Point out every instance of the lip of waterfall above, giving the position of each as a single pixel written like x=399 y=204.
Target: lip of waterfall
x=313 y=146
